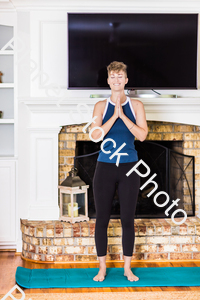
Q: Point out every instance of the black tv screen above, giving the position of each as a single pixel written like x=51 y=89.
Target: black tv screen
x=160 y=50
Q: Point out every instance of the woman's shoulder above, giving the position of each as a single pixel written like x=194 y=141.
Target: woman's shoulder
x=101 y=104
x=136 y=101
x=137 y=105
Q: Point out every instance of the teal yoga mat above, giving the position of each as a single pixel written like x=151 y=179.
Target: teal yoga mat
x=79 y=278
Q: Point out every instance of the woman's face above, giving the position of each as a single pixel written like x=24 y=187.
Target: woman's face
x=117 y=81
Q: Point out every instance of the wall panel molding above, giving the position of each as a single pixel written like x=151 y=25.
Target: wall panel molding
x=43 y=173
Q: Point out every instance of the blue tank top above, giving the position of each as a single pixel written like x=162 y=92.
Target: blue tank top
x=120 y=134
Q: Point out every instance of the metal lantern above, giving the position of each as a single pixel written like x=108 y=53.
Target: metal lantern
x=73 y=198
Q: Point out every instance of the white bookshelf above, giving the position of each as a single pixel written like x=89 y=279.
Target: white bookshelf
x=7 y=93
x=8 y=131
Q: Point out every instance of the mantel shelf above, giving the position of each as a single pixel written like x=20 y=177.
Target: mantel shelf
x=42 y=103
x=178 y=110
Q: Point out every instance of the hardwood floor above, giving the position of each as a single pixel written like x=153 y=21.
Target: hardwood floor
x=9 y=262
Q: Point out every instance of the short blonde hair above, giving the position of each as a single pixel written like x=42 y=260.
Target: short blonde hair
x=117 y=66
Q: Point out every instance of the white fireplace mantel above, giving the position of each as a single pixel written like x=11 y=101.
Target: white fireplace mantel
x=177 y=110
x=40 y=121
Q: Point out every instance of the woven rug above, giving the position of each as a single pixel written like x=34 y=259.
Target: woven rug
x=183 y=295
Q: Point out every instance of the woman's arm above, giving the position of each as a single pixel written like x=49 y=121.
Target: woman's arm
x=140 y=129
x=98 y=111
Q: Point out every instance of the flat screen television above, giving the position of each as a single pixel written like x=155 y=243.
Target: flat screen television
x=160 y=50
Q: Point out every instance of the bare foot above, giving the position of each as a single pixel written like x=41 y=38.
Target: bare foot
x=101 y=275
x=130 y=276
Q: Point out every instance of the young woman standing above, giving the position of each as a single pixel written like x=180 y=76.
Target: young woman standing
x=121 y=119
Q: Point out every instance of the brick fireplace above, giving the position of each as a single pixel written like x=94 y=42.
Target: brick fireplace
x=158 y=131
x=56 y=241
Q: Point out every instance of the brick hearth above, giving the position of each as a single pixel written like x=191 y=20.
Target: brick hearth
x=55 y=241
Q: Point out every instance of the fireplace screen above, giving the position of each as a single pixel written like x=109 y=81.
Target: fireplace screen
x=175 y=176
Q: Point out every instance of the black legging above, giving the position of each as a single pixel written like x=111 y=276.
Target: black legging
x=104 y=182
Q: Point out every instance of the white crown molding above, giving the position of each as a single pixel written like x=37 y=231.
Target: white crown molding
x=104 y=5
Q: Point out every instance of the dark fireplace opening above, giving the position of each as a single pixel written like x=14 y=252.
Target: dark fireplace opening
x=175 y=176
